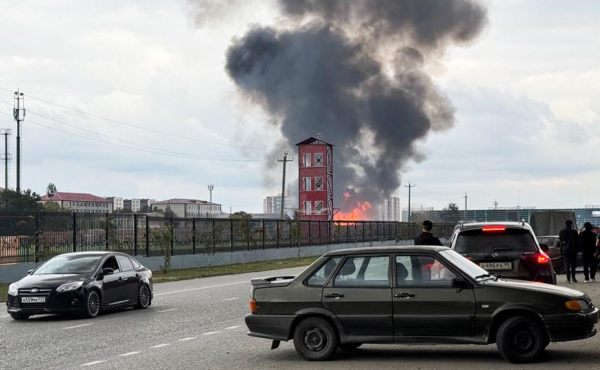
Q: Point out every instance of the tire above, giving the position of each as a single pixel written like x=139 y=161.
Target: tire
x=521 y=340
x=19 y=316
x=315 y=339
x=143 y=300
x=349 y=346
x=560 y=266
x=92 y=305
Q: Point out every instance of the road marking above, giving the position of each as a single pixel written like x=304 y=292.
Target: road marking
x=93 y=363
x=231 y=299
x=202 y=288
x=161 y=345
x=186 y=339
x=129 y=354
x=232 y=327
x=169 y=310
x=77 y=326
x=210 y=333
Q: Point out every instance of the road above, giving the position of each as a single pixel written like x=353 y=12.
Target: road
x=198 y=324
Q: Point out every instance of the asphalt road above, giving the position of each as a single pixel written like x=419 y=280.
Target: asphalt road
x=198 y=324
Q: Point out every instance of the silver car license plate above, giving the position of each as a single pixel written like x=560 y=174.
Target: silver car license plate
x=496 y=265
x=33 y=299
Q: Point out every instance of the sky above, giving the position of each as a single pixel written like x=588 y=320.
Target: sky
x=526 y=94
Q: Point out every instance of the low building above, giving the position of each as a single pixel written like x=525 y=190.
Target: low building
x=117 y=203
x=189 y=208
x=79 y=202
x=138 y=204
x=272 y=204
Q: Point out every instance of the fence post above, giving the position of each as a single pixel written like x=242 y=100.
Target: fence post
x=309 y=234
x=172 y=238
x=212 y=236
x=329 y=232
x=147 y=236
x=248 y=235
x=264 y=231
x=319 y=232
x=291 y=233
x=231 y=234
x=193 y=235
x=36 y=242
x=74 y=232
x=106 y=231
x=135 y=234
x=277 y=234
x=347 y=232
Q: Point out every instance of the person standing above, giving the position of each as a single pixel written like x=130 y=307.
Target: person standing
x=587 y=242
x=569 y=241
x=426 y=237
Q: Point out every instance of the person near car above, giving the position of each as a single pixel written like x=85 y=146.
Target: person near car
x=426 y=237
x=587 y=241
x=569 y=240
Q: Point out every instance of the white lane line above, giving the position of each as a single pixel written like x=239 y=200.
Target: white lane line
x=77 y=326
x=210 y=333
x=129 y=354
x=169 y=310
x=231 y=299
x=232 y=327
x=93 y=363
x=161 y=345
x=186 y=339
x=202 y=288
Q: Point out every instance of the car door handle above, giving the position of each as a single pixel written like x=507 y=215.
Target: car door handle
x=404 y=295
x=334 y=295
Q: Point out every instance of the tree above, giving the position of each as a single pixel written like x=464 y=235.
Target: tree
x=451 y=214
x=241 y=215
x=123 y=210
x=51 y=189
x=53 y=207
x=169 y=213
x=14 y=201
x=145 y=209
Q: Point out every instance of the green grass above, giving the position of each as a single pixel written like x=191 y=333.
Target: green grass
x=3 y=292
x=203 y=272
x=241 y=268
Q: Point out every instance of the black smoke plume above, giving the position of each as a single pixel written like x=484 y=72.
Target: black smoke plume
x=356 y=72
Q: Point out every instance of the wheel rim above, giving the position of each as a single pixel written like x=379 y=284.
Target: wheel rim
x=524 y=341
x=144 y=296
x=93 y=303
x=315 y=339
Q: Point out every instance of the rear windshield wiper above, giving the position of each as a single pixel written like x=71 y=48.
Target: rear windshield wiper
x=505 y=248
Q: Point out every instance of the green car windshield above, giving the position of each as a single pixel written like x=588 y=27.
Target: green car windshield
x=465 y=265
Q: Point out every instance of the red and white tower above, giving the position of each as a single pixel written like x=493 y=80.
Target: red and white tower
x=315 y=167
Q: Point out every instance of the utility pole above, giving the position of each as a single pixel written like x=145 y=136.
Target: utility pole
x=6 y=132
x=409 y=186
x=466 y=206
x=19 y=115
x=210 y=189
x=495 y=205
x=285 y=159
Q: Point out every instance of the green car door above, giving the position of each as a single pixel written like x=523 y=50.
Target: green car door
x=360 y=295
x=424 y=302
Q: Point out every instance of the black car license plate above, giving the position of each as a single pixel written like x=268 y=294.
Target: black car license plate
x=33 y=299
x=498 y=266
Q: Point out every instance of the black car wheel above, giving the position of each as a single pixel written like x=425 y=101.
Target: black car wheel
x=521 y=340
x=91 y=305
x=143 y=297
x=349 y=346
x=315 y=339
x=19 y=316
x=560 y=266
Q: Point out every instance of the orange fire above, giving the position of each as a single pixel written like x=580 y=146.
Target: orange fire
x=360 y=212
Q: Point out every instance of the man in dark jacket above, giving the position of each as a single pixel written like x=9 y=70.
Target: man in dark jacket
x=426 y=237
x=587 y=242
x=569 y=241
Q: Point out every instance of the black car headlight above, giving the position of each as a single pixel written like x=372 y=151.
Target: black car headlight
x=69 y=286
x=13 y=289
x=577 y=305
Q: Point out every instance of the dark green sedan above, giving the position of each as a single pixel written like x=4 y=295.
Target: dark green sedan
x=414 y=295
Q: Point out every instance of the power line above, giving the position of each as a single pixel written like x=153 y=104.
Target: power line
x=185 y=156
x=139 y=127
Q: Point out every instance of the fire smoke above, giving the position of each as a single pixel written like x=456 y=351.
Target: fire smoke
x=356 y=72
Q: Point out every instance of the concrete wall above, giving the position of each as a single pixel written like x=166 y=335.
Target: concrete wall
x=11 y=273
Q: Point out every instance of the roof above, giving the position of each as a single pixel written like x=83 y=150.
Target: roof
x=184 y=201
x=509 y=224
x=387 y=249
x=314 y=141
x=78 y=197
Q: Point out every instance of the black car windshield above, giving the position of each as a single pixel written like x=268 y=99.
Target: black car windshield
x=76 y=264
x=479 y=241
x=465 y=265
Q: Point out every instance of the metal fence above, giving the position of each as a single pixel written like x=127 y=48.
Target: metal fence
x=29 y=237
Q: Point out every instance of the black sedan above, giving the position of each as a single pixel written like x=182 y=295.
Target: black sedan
x=83 y=284
x=414 y=295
